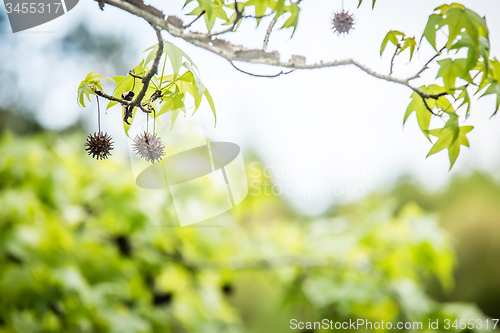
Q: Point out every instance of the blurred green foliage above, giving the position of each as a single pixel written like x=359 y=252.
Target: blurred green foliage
x=83 y=249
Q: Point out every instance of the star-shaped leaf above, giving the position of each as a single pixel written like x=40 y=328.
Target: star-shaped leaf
x=409 y=42
x=494 y=88
x=423 y=114
x=293 y=20
x=433 y=24
x=450 y=70
x=392 y=36
x=458 y=18
x=451 y=139
x=466 y=99
x=472 y=53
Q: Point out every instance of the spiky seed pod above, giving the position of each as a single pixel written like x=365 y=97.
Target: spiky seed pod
x=342 y=22
x=149 y=147
x=99 y=145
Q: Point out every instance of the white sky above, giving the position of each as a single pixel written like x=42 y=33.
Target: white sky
x=332 y=122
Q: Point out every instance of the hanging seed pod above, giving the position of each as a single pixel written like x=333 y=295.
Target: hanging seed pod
x=149 y=147
x=99 y=145
x=342 y=22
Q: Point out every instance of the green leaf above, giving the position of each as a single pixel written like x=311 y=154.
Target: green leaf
x=175 y=55
x=197 y=102
x=409 y=42
x=126 y=126
x=140 y=69
x=197 y=11
x=293 y=20
x=174 y=104
x=91 y=82
x=219 y=12
x=211 y=103
x=487 y=78
x=391 y=37
x=434 y=23
x=472 y=53
x=151 y=55
x=173 y=117
x=466 y=99
x=451 y=140
x=216 y=11
x=186 y=87
x=84 y=90
x=260 y=8
x=279 y=7
x=208 y=6
x=186 y=3
x=494 y=88
x=458 y=18
x=373 y=3
x=450 y=70
x=124 y=83
x=423 y=114
x=200 y=87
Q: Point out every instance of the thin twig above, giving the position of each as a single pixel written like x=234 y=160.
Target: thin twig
x=157 y=94
x=111 y=98
x=258 y=17
x=427 y=106
x=239 y=16
x=131 y=73
x=394 y=57
x=268 y=32
x=196 y=19
x=98 y=114
x=261 y=75
x=425 y=96
x=427 y=64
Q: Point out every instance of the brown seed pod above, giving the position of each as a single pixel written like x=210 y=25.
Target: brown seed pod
x=149 y=147
x=99 y=145
x=342 y=22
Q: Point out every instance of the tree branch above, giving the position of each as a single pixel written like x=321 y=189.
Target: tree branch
x=232 y=52
x=154 y=69
x=137 y=101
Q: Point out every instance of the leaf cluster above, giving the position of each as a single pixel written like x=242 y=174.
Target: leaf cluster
x=459 y=77
x=230 y=13
x=165 y=92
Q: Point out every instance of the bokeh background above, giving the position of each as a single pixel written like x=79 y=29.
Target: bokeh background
x=83 y=249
